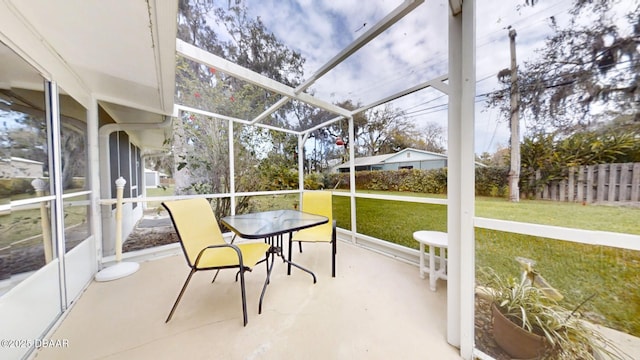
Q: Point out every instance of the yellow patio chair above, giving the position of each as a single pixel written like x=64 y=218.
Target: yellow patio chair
x=319 y=203
x=205 y=248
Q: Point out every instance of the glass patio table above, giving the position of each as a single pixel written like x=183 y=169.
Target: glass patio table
x=271 y=226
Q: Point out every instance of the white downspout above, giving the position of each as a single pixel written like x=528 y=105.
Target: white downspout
x=94 y=170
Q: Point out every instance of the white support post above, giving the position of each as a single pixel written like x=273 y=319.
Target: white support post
x=232 y=170
x=467 y=187
x=461 y=180
x=301 y=140
x=352 y=178
x=454 y=173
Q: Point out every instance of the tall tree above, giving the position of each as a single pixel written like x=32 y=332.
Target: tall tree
x=385 y=131
x=28 y=137
x=201 y=144
x=589 y=64
x=431 y=138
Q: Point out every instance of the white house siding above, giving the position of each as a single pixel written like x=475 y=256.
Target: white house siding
x=21 y=168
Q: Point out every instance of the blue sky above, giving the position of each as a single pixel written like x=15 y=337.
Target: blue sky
x=412 y=51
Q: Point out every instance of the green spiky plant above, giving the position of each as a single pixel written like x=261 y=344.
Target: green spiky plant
x=533 y=305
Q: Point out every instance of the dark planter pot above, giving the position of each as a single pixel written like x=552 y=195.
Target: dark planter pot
x=514 y=340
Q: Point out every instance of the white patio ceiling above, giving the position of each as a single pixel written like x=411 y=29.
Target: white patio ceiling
x=121 y=52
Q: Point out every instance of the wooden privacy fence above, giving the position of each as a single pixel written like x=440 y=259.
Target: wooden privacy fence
x=593 y=183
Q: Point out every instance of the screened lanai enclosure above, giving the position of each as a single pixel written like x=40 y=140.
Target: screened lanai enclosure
x=91 y=99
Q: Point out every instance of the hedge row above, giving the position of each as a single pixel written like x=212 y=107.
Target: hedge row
x=490 y=181
x=15 y=186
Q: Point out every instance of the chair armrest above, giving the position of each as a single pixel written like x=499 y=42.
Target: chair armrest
x=234 y=247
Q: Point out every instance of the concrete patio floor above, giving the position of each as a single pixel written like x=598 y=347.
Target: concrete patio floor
x=376 y=308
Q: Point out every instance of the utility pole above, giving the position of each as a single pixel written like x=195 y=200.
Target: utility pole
x=514 y=171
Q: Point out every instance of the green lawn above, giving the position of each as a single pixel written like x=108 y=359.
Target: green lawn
x=161 y=191
x=573 y=215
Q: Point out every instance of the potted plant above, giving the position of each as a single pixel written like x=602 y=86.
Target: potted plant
x=530 y=323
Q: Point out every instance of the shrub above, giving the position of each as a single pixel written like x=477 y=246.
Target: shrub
x=15 y=186
x=490 y=181
x=314 y=181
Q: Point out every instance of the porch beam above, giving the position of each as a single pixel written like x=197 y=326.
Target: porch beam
x=273 y=108
x=388 y=21
x=324 y=124
x=203 y=57
x=393 y=17
x=437 y=83
x=178 y=108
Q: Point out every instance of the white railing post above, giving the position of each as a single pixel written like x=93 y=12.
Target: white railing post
x=120 y=183
x=121 y=268
x=40 y=186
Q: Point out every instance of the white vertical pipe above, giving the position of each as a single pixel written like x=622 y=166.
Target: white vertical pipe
x=352 y=178
x=467 y=187
x=142 y=183
x=454 y=173
x=93 y=150
x=232 y=169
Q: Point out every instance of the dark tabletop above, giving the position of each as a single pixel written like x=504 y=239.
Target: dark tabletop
x=271 y=223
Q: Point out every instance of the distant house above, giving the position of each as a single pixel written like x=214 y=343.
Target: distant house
x=17 y=167
x=153 y=178
x=403 y=159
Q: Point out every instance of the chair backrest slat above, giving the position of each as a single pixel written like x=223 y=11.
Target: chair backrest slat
x=319 y=203
x=196 y=225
